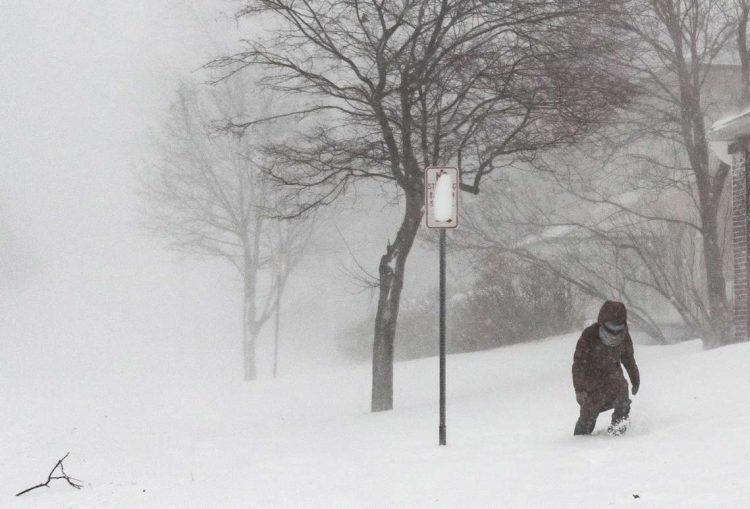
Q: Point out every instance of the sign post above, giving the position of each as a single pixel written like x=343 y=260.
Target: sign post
x=441 y=196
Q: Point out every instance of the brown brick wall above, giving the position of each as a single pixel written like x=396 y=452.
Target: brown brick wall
x=740 y=243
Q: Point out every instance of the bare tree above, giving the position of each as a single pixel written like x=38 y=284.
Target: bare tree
x=647 y=260
x=643 y=208
x=683 y=86
x=742 y=13
x=397 y=86
x=207 y=196
x=685 y=38
x=653 y=197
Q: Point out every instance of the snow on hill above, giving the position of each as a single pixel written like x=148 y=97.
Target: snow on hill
x=146 y=441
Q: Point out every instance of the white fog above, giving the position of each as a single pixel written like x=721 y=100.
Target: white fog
x=588 y=187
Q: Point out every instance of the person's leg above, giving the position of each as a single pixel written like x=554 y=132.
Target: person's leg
x=621 y=403
x=587 y=418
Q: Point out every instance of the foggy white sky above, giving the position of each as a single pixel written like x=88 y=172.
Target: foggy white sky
x=83 y=85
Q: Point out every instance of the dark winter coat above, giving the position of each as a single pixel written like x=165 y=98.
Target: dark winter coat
x=596 y=366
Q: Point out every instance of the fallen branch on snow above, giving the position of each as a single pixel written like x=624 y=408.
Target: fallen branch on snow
x=52 y=477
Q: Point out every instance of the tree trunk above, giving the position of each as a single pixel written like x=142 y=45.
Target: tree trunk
x=249 y=335
x=249 y=358
x=391 y=282
x=709 y=195
x=250 y=325
x=742 y=49
x=718 y=306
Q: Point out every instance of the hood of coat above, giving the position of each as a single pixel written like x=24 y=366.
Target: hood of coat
x=612 y=311
x=612 y=322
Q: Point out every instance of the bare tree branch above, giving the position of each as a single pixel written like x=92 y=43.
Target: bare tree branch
x=51 y=477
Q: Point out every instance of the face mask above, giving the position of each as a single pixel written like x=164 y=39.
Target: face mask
x=612 y=334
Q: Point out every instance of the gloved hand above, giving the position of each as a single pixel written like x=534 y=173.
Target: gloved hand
x=580 y=397
x=635 y=388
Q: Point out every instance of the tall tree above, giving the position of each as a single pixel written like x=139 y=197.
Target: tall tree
x=653 y=198
x=208 y=196
x=682 y=39
x=397 y=86
x=742 y=13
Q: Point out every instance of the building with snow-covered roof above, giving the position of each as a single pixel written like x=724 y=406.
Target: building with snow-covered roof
x=732 y=136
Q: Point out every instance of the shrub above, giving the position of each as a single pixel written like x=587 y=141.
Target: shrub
x=510 y=301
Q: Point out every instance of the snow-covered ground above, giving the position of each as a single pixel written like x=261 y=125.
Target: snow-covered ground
x=151 y=439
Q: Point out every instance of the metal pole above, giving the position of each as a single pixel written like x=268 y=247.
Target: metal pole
x=278 y=312
x=442 y=337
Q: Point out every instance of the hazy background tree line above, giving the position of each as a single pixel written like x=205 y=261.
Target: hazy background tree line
x=580 y=129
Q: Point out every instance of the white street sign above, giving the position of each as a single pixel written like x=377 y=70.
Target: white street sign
x=441 y=195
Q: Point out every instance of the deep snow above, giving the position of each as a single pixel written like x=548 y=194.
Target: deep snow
x=153 y=439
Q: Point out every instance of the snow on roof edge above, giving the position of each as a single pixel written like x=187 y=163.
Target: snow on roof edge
x=731 y=127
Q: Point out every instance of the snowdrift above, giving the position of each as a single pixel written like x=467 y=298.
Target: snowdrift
x=146 y=440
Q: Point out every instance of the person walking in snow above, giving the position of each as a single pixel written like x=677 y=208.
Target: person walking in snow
x=597 y=375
